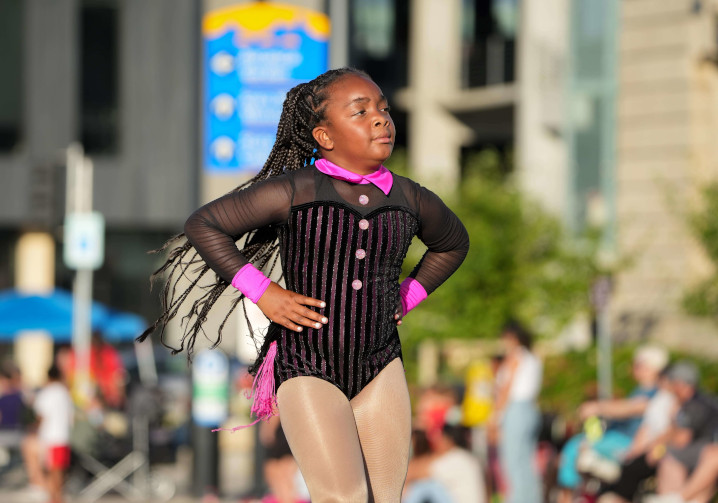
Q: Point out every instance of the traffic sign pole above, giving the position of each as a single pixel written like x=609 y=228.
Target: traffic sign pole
x=601 y=297
x=84 y=252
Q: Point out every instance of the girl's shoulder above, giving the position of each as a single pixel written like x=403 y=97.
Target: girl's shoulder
x=302 y=176
x=414 y=192
x=404 y=181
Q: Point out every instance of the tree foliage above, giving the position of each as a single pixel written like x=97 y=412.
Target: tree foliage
x=522 y=263
x=702 y=300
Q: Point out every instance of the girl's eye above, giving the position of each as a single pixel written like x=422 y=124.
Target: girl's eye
x=360 y=112
x=386 y=109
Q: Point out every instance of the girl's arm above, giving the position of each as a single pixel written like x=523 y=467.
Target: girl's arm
x=214 y=229
x=447 y=245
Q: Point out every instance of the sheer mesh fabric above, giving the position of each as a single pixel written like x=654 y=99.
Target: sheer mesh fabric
x=214 y=228
x=354 y=451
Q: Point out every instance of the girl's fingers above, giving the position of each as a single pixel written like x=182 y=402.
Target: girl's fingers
x=287 y=323
x=307 y=322
x=309 y=301
x=313 y=316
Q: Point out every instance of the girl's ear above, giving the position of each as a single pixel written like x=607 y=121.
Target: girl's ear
x=321 y=135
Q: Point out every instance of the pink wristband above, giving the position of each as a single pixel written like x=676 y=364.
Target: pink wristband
x=411 y=293
x=251 y=282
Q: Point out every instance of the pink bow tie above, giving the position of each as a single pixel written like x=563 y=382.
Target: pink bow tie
x=382 y=177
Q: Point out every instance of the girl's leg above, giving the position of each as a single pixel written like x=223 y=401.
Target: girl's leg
x=383 y=417
x=319 y=425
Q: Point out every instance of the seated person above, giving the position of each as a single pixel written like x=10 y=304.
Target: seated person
x=624 y=416
x=695 y=428
x=446 y=471
x=639 y=462
x=701 y=486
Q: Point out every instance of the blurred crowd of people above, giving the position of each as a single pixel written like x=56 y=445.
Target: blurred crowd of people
x=37 y=423
x=659 y=444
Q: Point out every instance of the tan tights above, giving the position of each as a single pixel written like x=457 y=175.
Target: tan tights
x=349 y=451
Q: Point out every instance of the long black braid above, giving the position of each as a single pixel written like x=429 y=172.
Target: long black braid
x=294 y=148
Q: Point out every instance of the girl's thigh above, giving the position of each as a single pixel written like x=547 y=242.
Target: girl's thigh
x=383 y=417
x=318 y=422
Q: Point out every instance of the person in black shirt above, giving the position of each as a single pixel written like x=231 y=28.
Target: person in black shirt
x=696 y=426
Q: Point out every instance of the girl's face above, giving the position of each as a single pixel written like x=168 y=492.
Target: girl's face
x=357 y=133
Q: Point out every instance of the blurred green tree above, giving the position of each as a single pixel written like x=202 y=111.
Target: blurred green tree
x=702 y=300
x=522 y=263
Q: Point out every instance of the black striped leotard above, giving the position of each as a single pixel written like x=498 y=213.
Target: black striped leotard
x=342 y=251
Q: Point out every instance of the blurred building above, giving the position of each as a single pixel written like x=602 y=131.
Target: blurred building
x=606 y=107
x=610 y=108
x=121 y=78
x=667 y=120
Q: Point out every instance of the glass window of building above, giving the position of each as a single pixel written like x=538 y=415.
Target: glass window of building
x=489 y=41
x=379 y=36
x=11 y=69
x=99 y=76
x=374 y=24
x=592 y=126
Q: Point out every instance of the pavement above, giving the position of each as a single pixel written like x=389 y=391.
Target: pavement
x=27 y=496
x=14 y=489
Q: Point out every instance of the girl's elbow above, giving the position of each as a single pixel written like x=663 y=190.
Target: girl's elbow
x=192 y=226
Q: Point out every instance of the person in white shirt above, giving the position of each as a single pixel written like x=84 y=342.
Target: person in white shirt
x=54 y=410
x=518 y=384
x=449 y=473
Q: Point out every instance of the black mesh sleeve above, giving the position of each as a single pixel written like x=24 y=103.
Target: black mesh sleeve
x=445 y=237
x=214 y=228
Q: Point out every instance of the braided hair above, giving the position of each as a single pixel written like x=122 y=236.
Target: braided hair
x=294 y=148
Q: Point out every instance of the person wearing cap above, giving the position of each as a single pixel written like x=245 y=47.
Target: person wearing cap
x=624 y=417
x=695 y=427
x=638 y=463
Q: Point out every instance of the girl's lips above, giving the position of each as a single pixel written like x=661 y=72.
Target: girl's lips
x=383 y=139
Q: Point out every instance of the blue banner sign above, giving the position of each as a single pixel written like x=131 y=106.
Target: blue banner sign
x=253 y=55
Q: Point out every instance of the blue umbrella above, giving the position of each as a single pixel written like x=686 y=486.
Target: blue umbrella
x=121 y=326
x=53 y=313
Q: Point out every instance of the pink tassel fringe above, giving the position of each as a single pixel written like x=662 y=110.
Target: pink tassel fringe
x=265 y=400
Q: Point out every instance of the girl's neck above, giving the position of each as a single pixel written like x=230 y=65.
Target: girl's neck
x=358 y=170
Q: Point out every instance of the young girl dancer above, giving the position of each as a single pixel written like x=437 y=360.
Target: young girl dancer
x=341 y=228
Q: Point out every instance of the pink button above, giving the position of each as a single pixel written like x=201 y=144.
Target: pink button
x=356 y=284
x=360 y=254
x=364 y=199
x=363 y=224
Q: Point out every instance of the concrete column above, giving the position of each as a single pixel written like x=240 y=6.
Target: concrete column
x=435 y=136
x=34 y=274
x=542 y=151
x=35 y=263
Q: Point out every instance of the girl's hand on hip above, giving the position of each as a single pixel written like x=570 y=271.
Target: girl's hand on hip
x=398 y=313
x=289 y=309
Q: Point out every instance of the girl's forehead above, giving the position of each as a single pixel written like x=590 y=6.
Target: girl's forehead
x=351 y=87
